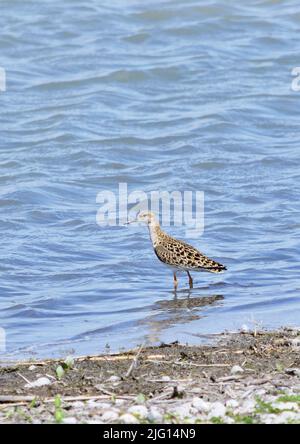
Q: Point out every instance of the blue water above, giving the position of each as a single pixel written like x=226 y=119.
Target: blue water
x=172 y=95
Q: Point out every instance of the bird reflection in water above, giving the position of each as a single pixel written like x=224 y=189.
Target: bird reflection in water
x=177 y=311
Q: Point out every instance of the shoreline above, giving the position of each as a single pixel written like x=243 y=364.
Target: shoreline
x=245 y=377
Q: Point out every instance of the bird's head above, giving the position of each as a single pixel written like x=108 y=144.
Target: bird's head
x=144 y=216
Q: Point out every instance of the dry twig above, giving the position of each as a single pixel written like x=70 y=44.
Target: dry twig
x=134 y=362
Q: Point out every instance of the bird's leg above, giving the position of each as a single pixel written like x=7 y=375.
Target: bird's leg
x=190 y=279
x=175 y=281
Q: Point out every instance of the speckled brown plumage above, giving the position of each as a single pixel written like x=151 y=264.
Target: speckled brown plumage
x=179 y=254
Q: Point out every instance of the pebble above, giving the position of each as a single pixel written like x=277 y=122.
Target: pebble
x=70 y=420
x=217 y=410
x=280 y=418
x=232 y=403
x=182 y=410
x=138 y=410
x=260 y=392
x=285 y=417
x=78 y=405
x=96 y=420
x=127 y=418
x=98 y=405
x=236 y=369
x=193 y=411
x=154 y=415
x=293 y=371
x=38 y=383
x=268 y=419
x=248 y=406
x=295 y=342
x=200 y=404
x=286 y=405
x=102 y=405
x=109 y=416
x=229 y=420
x=119 y=402
x=165 y=378
x=114 y=378
x=37 y=421
x=294 y=331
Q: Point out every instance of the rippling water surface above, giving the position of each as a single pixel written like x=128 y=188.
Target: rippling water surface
x=175 y=95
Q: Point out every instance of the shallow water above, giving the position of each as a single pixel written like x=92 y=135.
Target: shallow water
x=176 y=95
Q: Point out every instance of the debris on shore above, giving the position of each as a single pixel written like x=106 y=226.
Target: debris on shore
x=246 y=377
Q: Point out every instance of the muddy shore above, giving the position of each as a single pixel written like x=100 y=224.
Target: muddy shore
x=251 y=377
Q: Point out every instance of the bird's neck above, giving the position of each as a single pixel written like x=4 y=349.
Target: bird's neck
x=154 y=231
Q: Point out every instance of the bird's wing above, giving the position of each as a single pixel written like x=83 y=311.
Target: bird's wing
x=180 y=254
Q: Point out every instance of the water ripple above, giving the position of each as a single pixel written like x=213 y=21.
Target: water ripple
x=169 y=95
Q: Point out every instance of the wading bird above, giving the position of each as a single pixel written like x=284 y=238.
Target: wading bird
x=175 y=253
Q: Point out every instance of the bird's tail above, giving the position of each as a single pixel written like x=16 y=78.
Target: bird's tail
x=216 y=268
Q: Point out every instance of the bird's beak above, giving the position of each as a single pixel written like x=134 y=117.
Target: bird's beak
x=130 y=222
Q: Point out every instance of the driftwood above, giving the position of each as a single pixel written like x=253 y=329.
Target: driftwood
x=187 y=363
x=16 y=399
x=134 y=362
